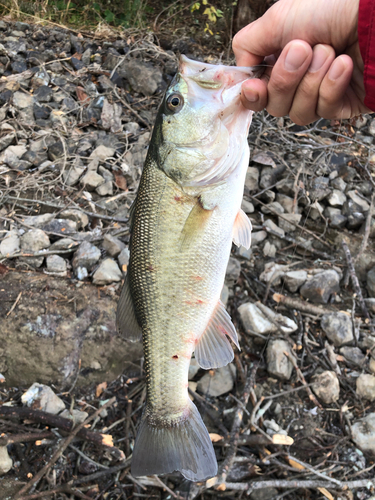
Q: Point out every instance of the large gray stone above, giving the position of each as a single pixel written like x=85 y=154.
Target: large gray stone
x=108 y=272
x=86 y=256
x=218 y=382
x=278 y=364
x=113 y=245
x=41 y=397
x=338 y=328
x=258 y=318
x=365 y=386
x=56 y=264
x=363 y=433
x=10 y=244
x=321 y=286
x=143 y=77
x=6 y=462
x=326 y=387
x=294 y=280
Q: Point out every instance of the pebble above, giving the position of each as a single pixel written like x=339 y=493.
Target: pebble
x=363 y=433
x=102 y=153
x=77 y=216
x=336 y=198
x=274 y=227
x=123 y=258
x=321 y=286
x=366 y=386
x=255 y=318
x=252 y=179
x=370 y=279
x=218 y=382
x=272 y=208
x=269 y=250
x=10 y=244
x=336 y=218
x=6 y=463
x=56 y=265
x=288 y=221
x=105 y=189
x=294 y=280
x=87 y=255
x=339 y=184
x=92 y=180
x=107 y=273
x=326 y=386
x=258 y=237
x=41 y=397
x=353 y=354
x=38 y=221
x=338 y=328
x=77 y=416
x=279 y=365
x=358 y=200
x=22 y=100
x=113 y=245
x=270 y=271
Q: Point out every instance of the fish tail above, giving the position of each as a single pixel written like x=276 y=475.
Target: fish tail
x=184 y=446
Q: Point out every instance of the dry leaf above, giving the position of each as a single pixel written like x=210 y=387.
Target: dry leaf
x=120 y=180
x=3 y=269
x=107 y=440
x=211 y=482
x=215 y=437
x=294 y=464
x=282 y=439
x=221 y=487
x=81 y=95
x=264 y=159
x=100 y=388
x=326 y=493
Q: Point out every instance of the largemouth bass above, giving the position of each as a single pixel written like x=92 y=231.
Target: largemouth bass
x=184 y=219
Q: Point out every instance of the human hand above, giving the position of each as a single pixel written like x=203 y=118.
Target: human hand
x=306 y=80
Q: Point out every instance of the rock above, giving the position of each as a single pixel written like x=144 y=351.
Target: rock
x=264 y=494
x=64 y=244
x=233 y=271
x=143 y=77
x=77 y=416
x=258 y=237
x=81 y=273
x=6 y=463
x=338 y=328
x=22 y=101
x=370 y=279
x=247 y=207
x=224 y=296
x=43 y=94
x=56 y=265
x=270 y=271
x=353 y=354
x=86 y=256
x=371 y=365
x=336 y=198
x=272 y=208
x=358 y=200
x=366 y=386
x=252 y=178
x=80 y=218
x=123 y=258
x=321 y=286
x=319 y=188
x=193 y=368
x=113 y=245
x=294 y=280
x=111 y=117
x=10 y=244
x=275 y=228
x=218 y=382
x=34 y=241
x=38 y=220
x=61 y=226
x=107 y=273
x=326 y=386
x=132 y=127
x=355 y=220
x=256 y=318
x=315 y=210
x=363 y=433
x=287 y=203
x=339 y=184
x=41 y=397
x=105 y=189
x=336 y=218
x=6 y=140
x=370 y=304
x=71 y=176
x=278 y=364
x=269 y=250
x=102 y=153
x=92 y=180
x=288 y=221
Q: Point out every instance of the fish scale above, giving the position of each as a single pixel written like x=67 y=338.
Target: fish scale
x=186 y=213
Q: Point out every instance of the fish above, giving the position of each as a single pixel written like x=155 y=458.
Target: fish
x=186 y=214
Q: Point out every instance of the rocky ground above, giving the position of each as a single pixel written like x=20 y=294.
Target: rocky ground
x=294 y=415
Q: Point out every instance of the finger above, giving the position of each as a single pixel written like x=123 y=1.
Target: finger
x=332 y=102
x=303 y=110
x=286 y=75
x=254 y=94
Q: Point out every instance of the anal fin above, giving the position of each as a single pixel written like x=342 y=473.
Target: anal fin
x=127 y=324
x=213 y=349
x=242 y=230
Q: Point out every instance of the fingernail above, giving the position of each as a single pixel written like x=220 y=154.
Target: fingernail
x=296 y=56
x=337 y=69
x=251 y=95
x=320 y=54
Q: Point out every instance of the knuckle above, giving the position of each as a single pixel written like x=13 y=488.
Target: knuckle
x=281 y=85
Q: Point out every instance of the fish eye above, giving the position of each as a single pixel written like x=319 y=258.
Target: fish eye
x=175 y=103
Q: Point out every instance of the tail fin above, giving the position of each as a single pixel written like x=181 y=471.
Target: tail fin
x=185 y=447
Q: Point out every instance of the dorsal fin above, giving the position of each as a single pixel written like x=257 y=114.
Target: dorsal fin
x=127 y=324
x=213 y=349
x=242 y=230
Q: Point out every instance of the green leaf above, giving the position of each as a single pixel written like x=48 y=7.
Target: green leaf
x=109 y=16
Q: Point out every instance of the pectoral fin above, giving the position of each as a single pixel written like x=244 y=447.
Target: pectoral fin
x=213 y=349
x=242 y=230
x=127 y=324
x=194 y=225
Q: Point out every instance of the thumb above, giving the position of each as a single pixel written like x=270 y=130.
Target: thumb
x=261 y=38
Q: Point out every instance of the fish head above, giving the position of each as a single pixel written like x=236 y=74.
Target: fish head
x=202 y=126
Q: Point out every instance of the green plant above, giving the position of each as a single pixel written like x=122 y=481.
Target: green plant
x=211 y=12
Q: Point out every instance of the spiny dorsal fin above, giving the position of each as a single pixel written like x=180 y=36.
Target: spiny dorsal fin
x=127 y=324
x=242 y=230
x=213 y=349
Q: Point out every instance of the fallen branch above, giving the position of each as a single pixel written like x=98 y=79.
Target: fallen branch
x=313 y=484
x=299 y=305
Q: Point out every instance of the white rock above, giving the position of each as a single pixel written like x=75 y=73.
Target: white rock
x=77 y=416
x=75 y=215
x=39 y=220
x=42 y=397
x=123 y=258
x=363 y=432
x=274 y=227
x=34 y=241
x=326 y=386
x=10 y=244
x=105 y=189
x=22 y=100
x=336 y=198
x=270 y=271
x=258 y=237
x=107 y=273
x=269 y=250
x=56 y=265
x=286 y=222
x=247 y=207
x=6 y=462
x=252 y=178
x=102 y=153
x=278 y=364
x=254 y=318
x=294 y=279
x=71 y=176
x=218 y=382
x=92 y=180
x=366 y=386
